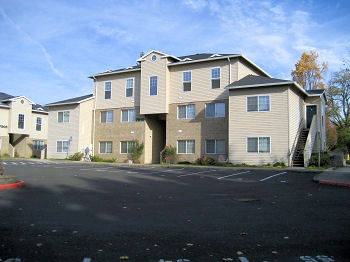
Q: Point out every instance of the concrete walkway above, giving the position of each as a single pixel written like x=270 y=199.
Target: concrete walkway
x=338 y=177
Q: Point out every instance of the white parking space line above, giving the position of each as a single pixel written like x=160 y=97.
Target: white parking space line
x=243 y=259
x=191 y=174
x=266 y=178
x=234 y=175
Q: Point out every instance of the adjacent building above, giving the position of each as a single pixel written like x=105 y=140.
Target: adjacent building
x=23 y=127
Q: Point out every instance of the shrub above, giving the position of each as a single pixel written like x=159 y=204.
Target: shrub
x=137 y=151
x=169 y=154
x=205 y=161
x=279 y=164
x=325 y=160
x=76 y=157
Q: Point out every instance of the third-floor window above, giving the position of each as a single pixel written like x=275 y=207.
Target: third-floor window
x=108 y=90
x=129 y=87
x=186 y=80
x=153 y=85
x=215 y=77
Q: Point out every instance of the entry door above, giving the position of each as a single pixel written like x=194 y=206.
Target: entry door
x=310 y=112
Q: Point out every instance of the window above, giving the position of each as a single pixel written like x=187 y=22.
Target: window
x=258 y=145
x=63 y=117
x=107 y=117
x=129 y=87
x=186 y=80
x=62 y=146
x=126 y=147
x=185 y=147
x=186 y=112
x=38 y=145
x=21 y=121
x=39 y=121
x=108 y=90
x=129 y=115
x=153 y=85
x=258 y=103
x=214 y=146
x=215 y=110
x=215 y=77
x=106 y=147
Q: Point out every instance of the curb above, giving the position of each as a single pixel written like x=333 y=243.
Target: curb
x=14 y=185
x=333 y=183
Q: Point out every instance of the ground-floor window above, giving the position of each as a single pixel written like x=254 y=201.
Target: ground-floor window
x=215 y=146
x=258 y=145
x=185 y=147
x=126 y=147
x=106 y=147
x=38 y=145
x=62 y=146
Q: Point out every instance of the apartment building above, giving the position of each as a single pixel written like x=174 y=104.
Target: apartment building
x=70 y=126
x=23 y=127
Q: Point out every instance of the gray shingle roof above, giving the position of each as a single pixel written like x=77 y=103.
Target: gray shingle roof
x=252 y=80
x=75 y=100
x=4 y=99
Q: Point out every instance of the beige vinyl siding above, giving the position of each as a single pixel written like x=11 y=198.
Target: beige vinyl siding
x=198 y=129
x=62 y=131
x=155 y=104
x=18 y=108
x=85 y=124
x=201 y=82
x=39 y=135
x=273 y=124
x=243 y=70
x=118 y=95
x=4 y=121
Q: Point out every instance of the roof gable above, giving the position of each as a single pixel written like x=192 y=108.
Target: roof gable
x=70 y=101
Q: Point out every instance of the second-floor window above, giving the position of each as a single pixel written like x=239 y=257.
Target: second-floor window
x=215 y=77
x=108 y=90
x=107 y=117
x=21 y=121
x=186 y=80
x=129 y=87
x=186 y=112
x=63 y=117
x=39 y=121
x=258 y=103
x=153 y=85
x=215 y=110
x=129 y=115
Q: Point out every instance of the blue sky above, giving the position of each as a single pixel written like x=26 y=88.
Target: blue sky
x=49 y=48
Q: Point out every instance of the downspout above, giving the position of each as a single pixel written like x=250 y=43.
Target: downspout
x=229 y=70
x=94 y=116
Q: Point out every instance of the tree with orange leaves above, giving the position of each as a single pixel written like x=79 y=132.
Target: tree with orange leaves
x=308 y=72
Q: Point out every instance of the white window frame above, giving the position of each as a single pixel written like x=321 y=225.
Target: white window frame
x=258 y=145
x=186 y=81
x=39 y=145
x=106 y=143
x=215 y=110
x=65 y=116
x=150 y=85
x=39 y=123
x=258 y=103
x=129 y=147
x=216 y=141
x=108 y=90
x=109 y=119
x=215 y=77
x=187 y=111
x=128 y=88
x=62 y=149
x=129 y=120
x=21 y=122
x=186 y=147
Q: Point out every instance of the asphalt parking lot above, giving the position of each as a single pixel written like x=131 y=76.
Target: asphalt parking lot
x=92 y=212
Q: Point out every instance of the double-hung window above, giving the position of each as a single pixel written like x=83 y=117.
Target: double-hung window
x=38 y=145
x=258 y=103
x=62 y=146
x=185 y=147
x=129 y=87
x=126 y=147
x=39 y=122
x=63 y=117
x=215 y=146
x=215 y=77
x=21 y=121
x=129 y=115
x=258 y=145
x=107 y=116
x=153 y=85
x=106 y=147
x=186 y=112
x=215 y=110
x=186 y=80
x=108 y=90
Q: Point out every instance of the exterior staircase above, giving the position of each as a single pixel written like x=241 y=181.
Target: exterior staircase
x=298 y=157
